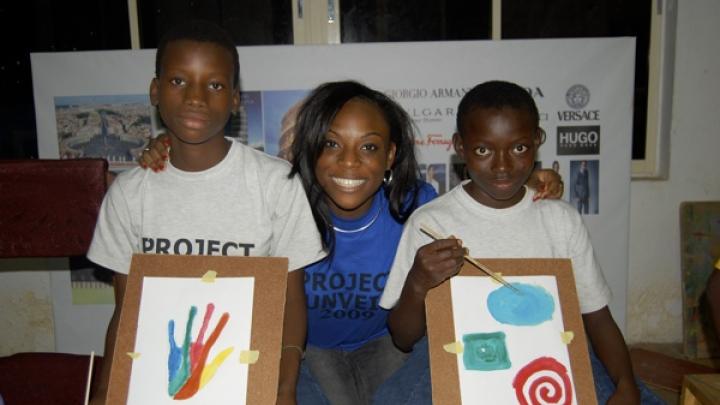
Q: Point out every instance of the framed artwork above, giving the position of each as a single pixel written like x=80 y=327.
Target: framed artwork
x=492 y=344
x=699 y=249
x=200 y=330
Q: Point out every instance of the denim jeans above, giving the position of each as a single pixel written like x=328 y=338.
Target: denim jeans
x=411 y=383
x=605 y=387
x=351 y=377
x=308 y=391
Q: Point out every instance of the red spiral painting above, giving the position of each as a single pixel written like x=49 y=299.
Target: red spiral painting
x=543 y=381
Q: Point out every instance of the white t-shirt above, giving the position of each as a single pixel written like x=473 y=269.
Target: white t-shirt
x=542 y=229
x=243 y=206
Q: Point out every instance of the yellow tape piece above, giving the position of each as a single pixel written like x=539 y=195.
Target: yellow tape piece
x=133 y=355
x=209 y=277
x=567 y=336
x=209 y=370
x=249 y=356
x=494 y=281
x=454 y=347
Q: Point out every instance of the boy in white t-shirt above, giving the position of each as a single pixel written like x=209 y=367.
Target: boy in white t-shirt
x=217 y=196
x=493 y=215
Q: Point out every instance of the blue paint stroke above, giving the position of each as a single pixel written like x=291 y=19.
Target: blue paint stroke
x=179 y=359
x=533 y=306
x=485 y=352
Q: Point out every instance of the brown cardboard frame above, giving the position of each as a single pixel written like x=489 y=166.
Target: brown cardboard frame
x=441 y=329
x=267 y=316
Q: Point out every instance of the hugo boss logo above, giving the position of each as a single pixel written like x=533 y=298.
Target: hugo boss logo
x=578 y=140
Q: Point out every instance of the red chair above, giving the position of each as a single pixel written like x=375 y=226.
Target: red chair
x=48 y=208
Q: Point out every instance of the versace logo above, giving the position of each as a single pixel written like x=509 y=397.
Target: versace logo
x=577 y=96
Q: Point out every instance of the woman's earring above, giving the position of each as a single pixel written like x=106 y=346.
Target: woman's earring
x=388 y=178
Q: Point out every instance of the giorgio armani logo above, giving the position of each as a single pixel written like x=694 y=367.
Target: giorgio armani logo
x=577 y=96
x=578 y=140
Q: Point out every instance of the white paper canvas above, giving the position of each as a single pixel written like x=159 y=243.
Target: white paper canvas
x=523 y=344
x=165 y=299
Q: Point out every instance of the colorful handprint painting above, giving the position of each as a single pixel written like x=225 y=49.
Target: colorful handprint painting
x=189 y=341
x=187 y=371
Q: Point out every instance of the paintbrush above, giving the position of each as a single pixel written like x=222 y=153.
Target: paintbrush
x=435 y=236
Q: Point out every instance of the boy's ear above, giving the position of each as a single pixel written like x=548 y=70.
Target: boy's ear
x=154 y=92
x=458 y=144
x=236 y=100
x=539 y=137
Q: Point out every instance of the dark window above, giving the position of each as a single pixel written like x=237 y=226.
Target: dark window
x=422 y=20
x=47 y=26
x=251 y=22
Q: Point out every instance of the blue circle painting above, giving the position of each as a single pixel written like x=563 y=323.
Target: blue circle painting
x=531 y=306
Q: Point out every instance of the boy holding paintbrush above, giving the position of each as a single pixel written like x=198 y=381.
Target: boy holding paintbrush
x=493 y=215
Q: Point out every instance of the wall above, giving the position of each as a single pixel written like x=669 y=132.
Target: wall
x=26 y=317
x=654 y=289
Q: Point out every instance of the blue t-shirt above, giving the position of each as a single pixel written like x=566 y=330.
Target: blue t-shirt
x=343 y=290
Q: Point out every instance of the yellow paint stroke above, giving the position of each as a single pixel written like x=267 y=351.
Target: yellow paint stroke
x=209 y=276
x=249 y=356
x=133 y=355
x=210 y=369
x=454 y=347
x=494 y=281
x=567 y=336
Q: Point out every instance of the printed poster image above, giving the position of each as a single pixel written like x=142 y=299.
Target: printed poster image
x=114 y=127
x=584 y=188
x=251 y=110
x=279 y=110
x=434 y=174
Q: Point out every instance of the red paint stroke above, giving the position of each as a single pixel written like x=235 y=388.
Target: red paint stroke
x=549 y=387
x=197 y=346
x=193 y=383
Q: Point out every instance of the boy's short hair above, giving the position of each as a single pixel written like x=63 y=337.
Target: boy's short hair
x=496 y=94
x=200 y=31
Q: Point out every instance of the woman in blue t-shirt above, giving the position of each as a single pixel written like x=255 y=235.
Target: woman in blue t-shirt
x=354 y=150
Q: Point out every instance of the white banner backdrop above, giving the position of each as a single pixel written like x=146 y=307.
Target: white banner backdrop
x=95 y=104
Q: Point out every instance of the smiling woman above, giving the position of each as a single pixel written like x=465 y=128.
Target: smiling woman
x=354 y=149
x=357 y=153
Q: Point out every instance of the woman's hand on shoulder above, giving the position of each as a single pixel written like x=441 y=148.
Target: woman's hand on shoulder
x=547 y=184
x=155 y=153
x=436 y=262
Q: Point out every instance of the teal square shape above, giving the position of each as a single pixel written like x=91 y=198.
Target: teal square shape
x=485 y=351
